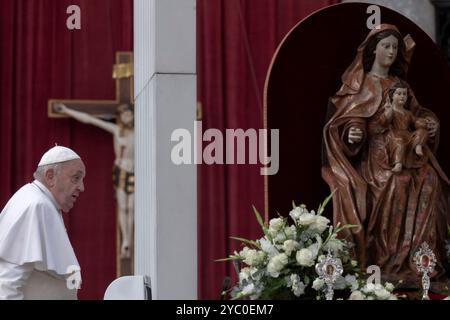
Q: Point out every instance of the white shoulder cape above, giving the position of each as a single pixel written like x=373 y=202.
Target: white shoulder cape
x=32 y=230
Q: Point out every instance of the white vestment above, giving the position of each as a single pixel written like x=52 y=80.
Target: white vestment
x=35 y=251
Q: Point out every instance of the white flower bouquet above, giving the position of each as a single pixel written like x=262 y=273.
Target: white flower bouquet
x=281 y=264
x=370 y=291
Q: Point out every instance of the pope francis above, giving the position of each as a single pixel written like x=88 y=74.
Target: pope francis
x=37 y=260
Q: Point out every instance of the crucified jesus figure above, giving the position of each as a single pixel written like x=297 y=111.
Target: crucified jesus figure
x=123 y=172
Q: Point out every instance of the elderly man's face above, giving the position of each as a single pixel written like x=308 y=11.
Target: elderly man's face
x=68 y=183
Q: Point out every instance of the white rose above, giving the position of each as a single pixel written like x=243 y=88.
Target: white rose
x=305 y=257
x=320 y=224
x=298 y=289
x=243 y=253
x=383 y=294
x=248 y=289
x=268 y=247
x=244 y=274
x=272 y=269
x=254 y=257
x=306 y=219
x=318 y=284
x=356 y=295
x=296 y=212
x=289 y=246
x=334 y=245
x=370 y=287
x=314 y=248
x=351 y=281
x=291 y=232
x=340 y=283
x=294 y=282
x=255 y=274
x=279 y=237
x=389 y=286
x=276 y=264
x=276 y=224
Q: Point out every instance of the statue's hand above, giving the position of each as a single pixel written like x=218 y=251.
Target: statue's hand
x=432 y=126
x=388 y=110
x=355 y=135
x=60 y=108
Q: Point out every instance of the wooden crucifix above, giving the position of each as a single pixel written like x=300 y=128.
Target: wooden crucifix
x=123 y=73
x=92 y=112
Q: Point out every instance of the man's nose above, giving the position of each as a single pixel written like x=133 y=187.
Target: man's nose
x=81 y=187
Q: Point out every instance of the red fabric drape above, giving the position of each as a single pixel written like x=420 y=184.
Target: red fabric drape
x=236 y=40
x=41 y=59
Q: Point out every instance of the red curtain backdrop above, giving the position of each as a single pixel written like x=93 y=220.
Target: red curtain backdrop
x=41 y=59
x=236 y=40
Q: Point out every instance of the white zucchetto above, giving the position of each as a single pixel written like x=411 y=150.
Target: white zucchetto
x=58 y=154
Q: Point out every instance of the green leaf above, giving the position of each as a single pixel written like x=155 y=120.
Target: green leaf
x=227 y=259
x=330 y=233
x=325 y=202
x=260 y=221
x=347 y=226
x=448 y=229
x=246 y=241
x=293 y=204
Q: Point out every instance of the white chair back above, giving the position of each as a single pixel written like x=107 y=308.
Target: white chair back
x=129 y=288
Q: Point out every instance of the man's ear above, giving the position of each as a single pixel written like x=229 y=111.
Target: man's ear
x=50 y=177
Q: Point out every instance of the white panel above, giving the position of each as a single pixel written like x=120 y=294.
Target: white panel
x=176 y=191
x=145 y=195
x=144 y=43
x=175 y=36
x=165 y=32
x=166 y=194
